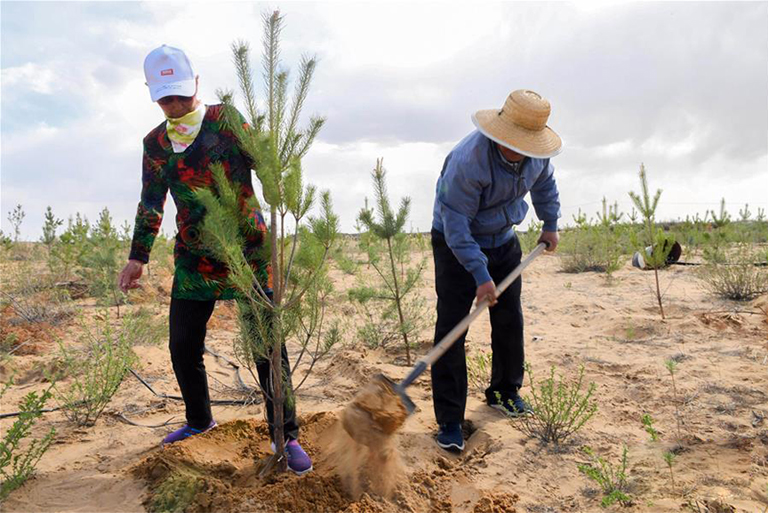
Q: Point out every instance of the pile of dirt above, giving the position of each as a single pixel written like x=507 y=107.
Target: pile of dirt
x=219 y=471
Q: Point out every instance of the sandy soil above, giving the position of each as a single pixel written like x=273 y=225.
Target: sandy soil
x=611 y=326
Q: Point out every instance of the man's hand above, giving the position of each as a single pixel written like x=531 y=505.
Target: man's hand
x=130 y=275
x=486 y=290
x=549 y=237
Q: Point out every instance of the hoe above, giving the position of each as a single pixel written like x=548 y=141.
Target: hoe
x=382 y=406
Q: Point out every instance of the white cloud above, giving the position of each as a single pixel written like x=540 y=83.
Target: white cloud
x=30 y=77
x=680 y=87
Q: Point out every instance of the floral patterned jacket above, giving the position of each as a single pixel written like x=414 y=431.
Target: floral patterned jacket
x=197 y=275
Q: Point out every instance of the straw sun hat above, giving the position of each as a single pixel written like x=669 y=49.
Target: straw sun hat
x=521 y=125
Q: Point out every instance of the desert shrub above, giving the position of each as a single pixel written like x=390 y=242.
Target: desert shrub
x=611 y=478
x=142 y=329
x=647 y=422
x=560 y=407
x=97 y=371
x=31 y=295
x=8 y=342
x=592 y=247
x=6 y=243
x=479 y=370
x=17 y=463
x=736 y=278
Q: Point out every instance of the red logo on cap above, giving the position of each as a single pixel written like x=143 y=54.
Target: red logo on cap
x=166 y=72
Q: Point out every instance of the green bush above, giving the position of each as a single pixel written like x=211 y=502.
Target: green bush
x=529 y=238
x=32 y=296
x=17 y=463
x=97 y=371
x=560 y=408
x=593 y=247
x=612 y=479
x=737 y=278
x=141 y=328
x=479 y=370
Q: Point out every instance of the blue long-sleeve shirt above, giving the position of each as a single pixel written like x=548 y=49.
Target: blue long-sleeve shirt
x=479 y=199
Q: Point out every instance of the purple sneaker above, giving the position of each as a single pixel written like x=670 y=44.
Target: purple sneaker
x=298 y=460
x=185 y=432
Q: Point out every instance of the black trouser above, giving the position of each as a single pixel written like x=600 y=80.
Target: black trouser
x=188 y=321
x=456 y=290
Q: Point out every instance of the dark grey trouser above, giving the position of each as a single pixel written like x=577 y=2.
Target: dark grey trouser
x=455 y=293
x=188 y=326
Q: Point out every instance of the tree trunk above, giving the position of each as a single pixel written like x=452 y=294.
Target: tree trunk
x=276 y=336
x=658 y=292
x=398 y=301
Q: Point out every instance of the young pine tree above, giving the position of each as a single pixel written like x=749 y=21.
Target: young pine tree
x=101 y=261
x=398 y=279
x=50 y=226
x=16 y=217
x=654 y=237
x=298 y=245
x=70 y=249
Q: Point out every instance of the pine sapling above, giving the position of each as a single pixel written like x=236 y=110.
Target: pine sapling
x=722 y=218
x=51 y=224
x=16 y=217
x=387 y=226
x=101 y=262
x=298 y=245
x=660 y=245
x=633 y=216
x=745 y=213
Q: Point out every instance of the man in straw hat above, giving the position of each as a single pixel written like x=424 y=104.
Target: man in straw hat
x=178 y=154
x=479 y=199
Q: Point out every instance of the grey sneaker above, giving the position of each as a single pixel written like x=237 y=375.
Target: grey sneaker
x=514 y=407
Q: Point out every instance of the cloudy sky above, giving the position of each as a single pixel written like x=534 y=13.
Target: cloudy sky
x=681 y=87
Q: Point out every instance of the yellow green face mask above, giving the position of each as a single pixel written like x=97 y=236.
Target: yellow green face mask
x=183 y=131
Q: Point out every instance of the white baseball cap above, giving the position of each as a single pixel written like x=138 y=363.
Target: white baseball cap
x=169 y=72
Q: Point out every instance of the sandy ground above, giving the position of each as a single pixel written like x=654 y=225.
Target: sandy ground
x=611 y=326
